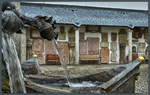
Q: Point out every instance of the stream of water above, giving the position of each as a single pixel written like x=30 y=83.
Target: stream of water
x=63 y=63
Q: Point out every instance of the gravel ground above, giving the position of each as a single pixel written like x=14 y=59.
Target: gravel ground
x=142 y=82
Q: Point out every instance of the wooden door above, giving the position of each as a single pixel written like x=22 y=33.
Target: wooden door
x=104 y=55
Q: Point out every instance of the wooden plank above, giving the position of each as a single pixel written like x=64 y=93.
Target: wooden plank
x=93 y=46
x=131 y=66
x=43 y=88
x=104 y=55
x=89 y=57
x=83 y=47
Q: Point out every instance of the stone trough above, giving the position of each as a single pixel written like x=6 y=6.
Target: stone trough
x=120 y=79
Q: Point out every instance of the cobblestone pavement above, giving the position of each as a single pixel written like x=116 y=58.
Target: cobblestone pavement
x=142 y=82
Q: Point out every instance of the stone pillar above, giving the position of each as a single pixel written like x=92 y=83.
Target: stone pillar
x=130 y=44
x=76 y=45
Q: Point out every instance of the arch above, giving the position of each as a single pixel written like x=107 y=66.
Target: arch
x=134 y=49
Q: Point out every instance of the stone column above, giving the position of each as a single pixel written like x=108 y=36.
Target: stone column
x=109 y=41
x=130 y=44
x=76 y=45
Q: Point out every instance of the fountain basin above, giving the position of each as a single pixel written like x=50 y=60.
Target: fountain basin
x=115 y=80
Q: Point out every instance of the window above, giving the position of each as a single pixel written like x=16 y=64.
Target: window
x=62 y=33
x=134 y=49
x=81 y=36
x=35 y=34
x=122 y=36
x=113 y=36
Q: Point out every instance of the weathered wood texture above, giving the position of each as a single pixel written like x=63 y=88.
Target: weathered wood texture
x=52 y=59
x=89 y=57
x=43 y=89
x=116 y=80
x=13 y=65
x=89 y=51
x=127 y=75
x=93 y=46
x=83 y=47
x=104 y=55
